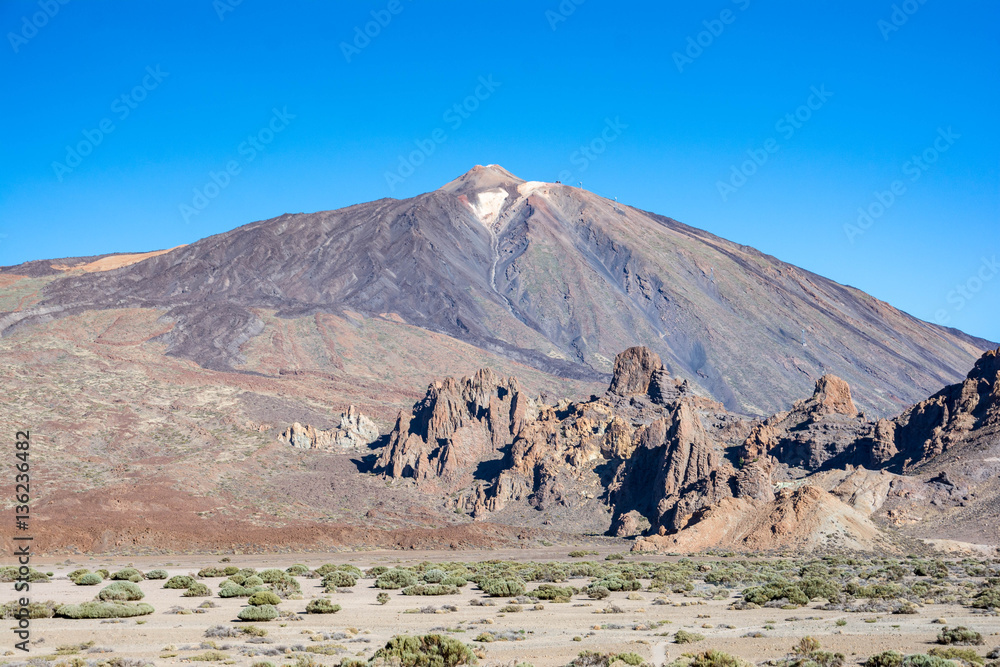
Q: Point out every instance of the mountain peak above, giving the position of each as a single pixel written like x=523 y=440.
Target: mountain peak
x=485 y=190
x=482 y=178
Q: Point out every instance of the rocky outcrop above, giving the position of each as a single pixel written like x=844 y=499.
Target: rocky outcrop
x=815 y=431
x=804 y=518
x=660 y=461
x=675 y=471
x=458 y=425
x=633 y=371
x=354 y=431
x=554 y=452
x=932 y=427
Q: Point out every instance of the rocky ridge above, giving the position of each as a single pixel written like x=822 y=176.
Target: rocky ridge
x=679 y=471
x=354 y=431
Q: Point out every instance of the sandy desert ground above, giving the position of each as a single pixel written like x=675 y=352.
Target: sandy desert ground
x=551 y=635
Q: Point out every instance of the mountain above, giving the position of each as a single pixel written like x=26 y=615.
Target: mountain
x=541 y=274
x=218 y=395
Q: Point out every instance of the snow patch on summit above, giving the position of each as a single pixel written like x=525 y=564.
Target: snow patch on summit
x=487 y=204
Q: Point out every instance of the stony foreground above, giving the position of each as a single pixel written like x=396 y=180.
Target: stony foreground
x=702 y=596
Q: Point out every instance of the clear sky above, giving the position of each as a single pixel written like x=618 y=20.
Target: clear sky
x=679 y=108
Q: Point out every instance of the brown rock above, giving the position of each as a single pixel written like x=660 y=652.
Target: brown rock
x=457 y=425
x=634 y=370
x=833 y=396
x=355 y=430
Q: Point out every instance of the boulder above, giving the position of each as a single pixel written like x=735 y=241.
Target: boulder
x=633 y=371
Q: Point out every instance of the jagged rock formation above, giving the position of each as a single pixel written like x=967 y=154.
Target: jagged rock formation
x=939 y=423
x=458 y=426
x=685 y=473
x=814 y=431
x=633 y=371
x=354 y=431
x=675 y=470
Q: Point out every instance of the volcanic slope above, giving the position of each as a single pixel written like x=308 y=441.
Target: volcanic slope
x=543 y=274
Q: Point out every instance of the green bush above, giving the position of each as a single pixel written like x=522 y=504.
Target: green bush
x=685 y=637
x=616 y=584
x=598 y=592
x=595 y=659
x=231 y=590
x=179 y=581
x=339 y=579
x=886 y=591
x=382 y=598
x=322 y=606
x=816 y=587
x=126 y=574
x=156 y=574
x=121 y=591
x=885 y=659
x=775 y=590
x=76 y=574
x=427 y=651
x=433 y=576
x=921 y=660
x=273 y=576
x=959 y=635
x=88 y=579
x=965 y=655
x=455 y=580
x=197 y=590
x=46 y=609
x=988 y=598
x=395 y=578
x=104 y=610
x=211 y=572
x=287 y=588
x=297 y=570
x=502 y=588
x=10 y=573
x=711 y=658
x=252 y=581
x=264 y=597
x=264 y=612
x=374 y=572
x=230 y=570
x=936 y=659
x=430 y=589
x=551 y=592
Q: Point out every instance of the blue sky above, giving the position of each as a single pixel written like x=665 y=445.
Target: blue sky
x=770 y=124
